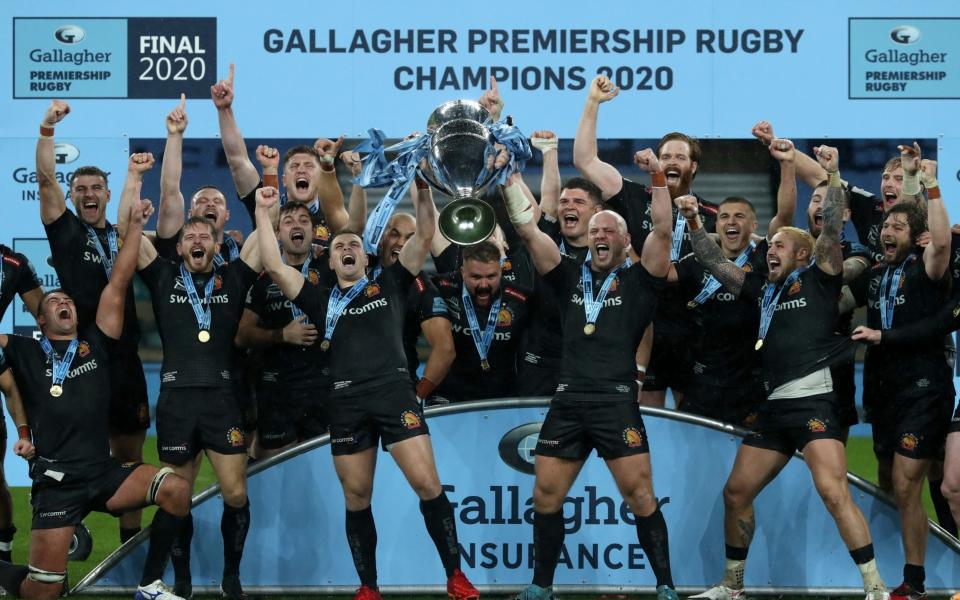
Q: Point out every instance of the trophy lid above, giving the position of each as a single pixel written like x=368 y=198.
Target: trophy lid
x=456 y=109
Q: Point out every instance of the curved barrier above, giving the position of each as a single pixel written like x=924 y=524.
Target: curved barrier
x=296 y=542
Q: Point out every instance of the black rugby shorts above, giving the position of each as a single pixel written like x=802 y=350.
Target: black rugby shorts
x=285 y=415
x=192 y=419
x=574 y=426
x=66 y=502
x=789 y=424
x=387 y=414
x=129 y=410
x=737 y=405
x=914 y=424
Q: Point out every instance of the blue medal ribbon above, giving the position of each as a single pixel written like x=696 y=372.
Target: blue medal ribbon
x=771 y=297
x=305 y=271
x=481 y=340
x=112 y=243
x=233 y=251
x=335 y=306
x=712 y=285
x=516 y=144
x=678 y=230
x=60 y=368
x=201 y=310
x=590 y=306
x=889 y=286
x=398 y=174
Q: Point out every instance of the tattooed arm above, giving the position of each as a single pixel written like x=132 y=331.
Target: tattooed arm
x=707 y=251
x=827 y=251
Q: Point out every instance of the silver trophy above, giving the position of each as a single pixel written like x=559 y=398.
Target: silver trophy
x=459 y=147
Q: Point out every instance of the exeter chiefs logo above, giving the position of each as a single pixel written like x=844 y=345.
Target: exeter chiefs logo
x=909 y=442
x=794 y=289
x=507 y=265
x=614 y=284
x=372 y=290
x=313 y=277
x=816 y=426
x=321 y=233
x=632 y=437
x=747 y=268
x=411 y=420
x=505 y=318
x=235 y=437
x=217 y=282
x=83 y=349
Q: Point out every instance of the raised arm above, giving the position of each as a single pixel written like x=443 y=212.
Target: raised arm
x=707 y=251
x=170 y=213
x=807 y=169
x=331 y=196
x=782 y=150
x=655 y=254
x=827 y=251
x=543 y=250
x=414 y=252
x=585 y=158
x=357 y=207
x=936 y=256
x=110 y=309
x=492 y=101
x=546 y=142
x=245 y=177
x=289 y=280
x=137 y=166
x=53 y=203
x=269 y=159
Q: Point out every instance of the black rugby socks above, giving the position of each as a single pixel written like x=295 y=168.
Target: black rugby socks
x=442 y=527
x=548 y=536
x=234 y=525
x=163 y=531
x=11 y=576
x=362 y=538
x=127 y=533
x=6 y=543
x=915 y=575
x=180 y=550
x=652 y=533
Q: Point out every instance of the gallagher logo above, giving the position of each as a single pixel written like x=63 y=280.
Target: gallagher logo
x=517 y=447
x=65 y=153
x=70 y=34
x=905 y=34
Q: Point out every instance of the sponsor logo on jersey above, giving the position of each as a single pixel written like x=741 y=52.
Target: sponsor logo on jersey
x=372 y=290
x=816 y=426
x=379 y=303
x=411 y=420
x=177 y=448
x=909 y=442
x=512 y=292
x=235 y=437
x=632 y=437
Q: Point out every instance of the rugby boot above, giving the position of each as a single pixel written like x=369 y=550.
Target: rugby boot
x=905 y=591
x=155 y=591
x=722 y=592
x=535 y=592
x=231 y=589
x=665 y=592
x=365 y=592
x=460 y=588
x=183 y=588
x=880 y=595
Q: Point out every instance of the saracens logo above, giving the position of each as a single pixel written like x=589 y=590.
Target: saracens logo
x=70 y=34
x=517 y=447
x=905 y=34
x=64 y=153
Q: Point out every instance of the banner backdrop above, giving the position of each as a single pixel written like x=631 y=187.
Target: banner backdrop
x=485 y=458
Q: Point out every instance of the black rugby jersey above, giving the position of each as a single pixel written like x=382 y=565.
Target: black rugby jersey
x=322 y=236
x=467 y=380
x=866 y=214
x=19 y=277
x=802 y=337
x=82 y=275
x=289 y=365
x=603 y=362
x=71 y=430
x=725 y=326
x=517 y=267
x=188 y=362
x=367 y=346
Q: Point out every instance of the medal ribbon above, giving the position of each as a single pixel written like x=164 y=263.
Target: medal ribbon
x=889 y=286
x=60 y=368
x=771 y=297
x=591 y=307
x=107 y=262
x=678 y=229
x=305 y=271
x=200 y=310
x=481 y=340
x=233 y=251
x=338 y=302
x=712 y=285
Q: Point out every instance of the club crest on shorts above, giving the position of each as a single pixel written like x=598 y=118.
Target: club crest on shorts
x=816 y=426
x=83 y=349
x=909 y=442
x=632 y=437
x=235 y=437
x=411 y=420
x=750 y=420
x=373 y=289
x=505 y=317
